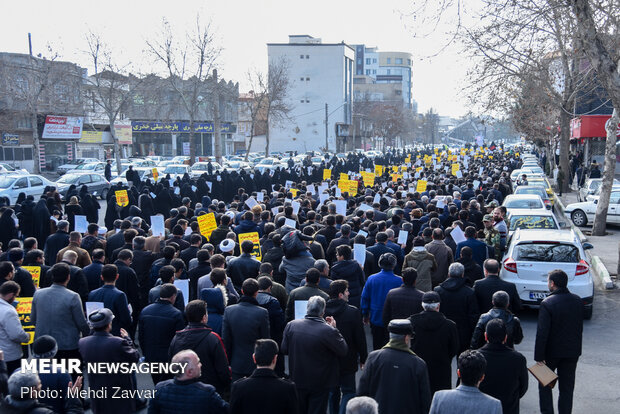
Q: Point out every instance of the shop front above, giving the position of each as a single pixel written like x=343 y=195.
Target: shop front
x=589 y=135
x=58 y=141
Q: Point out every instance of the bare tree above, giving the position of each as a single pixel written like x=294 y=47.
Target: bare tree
x=598 y=37
x=276 y=92
x=254 y=105
x=111 y=87
x=188 y=63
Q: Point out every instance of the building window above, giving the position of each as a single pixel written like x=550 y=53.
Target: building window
x=399 y=61
x=302 y=101
x=374 y=71
x=388 y=72
x=301 y=79
x=389 y=60
x=409 y=62
x=368 y=61
x=301 y=56
x=359 y=61
x=24 y=122
x=307 y=100
x=307 y=56
x=374 y=60
x=307 y=79
x=367 y=71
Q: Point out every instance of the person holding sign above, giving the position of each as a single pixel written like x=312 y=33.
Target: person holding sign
x=12 y=335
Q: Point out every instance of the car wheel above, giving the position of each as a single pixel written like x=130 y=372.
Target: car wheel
x=579 y=218
x=104 y=194
x=587 y=312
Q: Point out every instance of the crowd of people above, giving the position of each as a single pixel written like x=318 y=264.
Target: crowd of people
x=409 y=244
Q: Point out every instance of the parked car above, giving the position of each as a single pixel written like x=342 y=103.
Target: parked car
x=527 y=189
x=270 y=163
x=176 y=170
x=30 y=184
x=144 y=172
x=200 y=168
x=528 y=219
x=597 y=193
x=237 y=166
x=9 y=169
x=532 y=254
x=73 y=164
x=590 y=187
x=523 y=201
x=97 y=184
x=94 y=167
x=583 y=213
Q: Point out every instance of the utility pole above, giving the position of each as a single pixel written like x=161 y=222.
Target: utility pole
x=217 y=133
x=326 y=129
x=34 y=118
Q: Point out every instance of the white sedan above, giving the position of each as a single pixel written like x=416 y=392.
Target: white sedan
x=31 y=184
x=176 y=171
x=583 y=213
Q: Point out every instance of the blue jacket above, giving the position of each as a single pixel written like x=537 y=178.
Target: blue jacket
x=378 y=249
x=116 y=301
x=92 y=272
x=479 y=249
x=373 y=295
x=215 y=308
x=248 y=226
x=187 y=397
x=158 y=324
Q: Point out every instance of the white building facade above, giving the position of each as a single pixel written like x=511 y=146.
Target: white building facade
x=320 y=77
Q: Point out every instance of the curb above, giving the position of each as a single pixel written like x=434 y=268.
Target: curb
x=601 y=272
x=560 y=205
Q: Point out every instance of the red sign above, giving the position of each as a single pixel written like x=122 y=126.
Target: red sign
x=590 y=126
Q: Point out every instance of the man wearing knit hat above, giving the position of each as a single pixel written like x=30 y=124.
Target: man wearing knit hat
x=387 y=376
x=45 y=347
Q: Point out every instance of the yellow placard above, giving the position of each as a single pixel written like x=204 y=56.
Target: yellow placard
x=253 y=237
x=294 y=191
x=344 y=176
x=24 y=309
x=421 y=187
x=418 y=169
x=207 y=224
x=517 y=154
x=122 y=199
x=378 y=170
x=35 y=272
x=369 y=179
x=395 y=177
x=155 y=174
x=353 y=187
x=327 y=174
x=455 y=168
x=490 y=157
x=408 y=159
x=394 y=168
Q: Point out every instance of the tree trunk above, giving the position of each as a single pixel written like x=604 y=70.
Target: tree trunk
x=247 y=151
x=192 y=142
x=36 y=143
x=564 y=145
x=600 y=219
x=217 y=130
x=117 y=149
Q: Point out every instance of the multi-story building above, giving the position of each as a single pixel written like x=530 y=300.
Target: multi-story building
x=44 y=97
x=386 y=68
x=320 y=86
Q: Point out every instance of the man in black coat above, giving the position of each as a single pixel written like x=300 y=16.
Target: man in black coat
x=349 y=321
x=112 y=299
x=404 y=301
x=56 y=242
x=77 y=281
x=208 y=345
x=344 y=239
x=116 y=240
x=395 y=377
x=141 y=265
x=380 y=247
x=348 y=269
x=242 y=325
x=128 y=282
x=458 y=303
x=558 y=340
x=128 y=236
x=506 y=375
x=202 y=269
x=263 y=392
x=436 y=341
x=491 y=283
x=102 y=346
x=245 y=266
x=314 y=347
x=189 y=253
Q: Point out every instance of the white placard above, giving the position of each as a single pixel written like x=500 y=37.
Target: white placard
x=441 y=204
x=290 y=223
x=476 y=184
x=153 y=195
x=157 y=226
x=93 y=306
x=376 y=199
x=459 y=174
x=250 y=202
x=341 y=207
x=288 y=184
x=365 y=207
x=362 y=233
x=480 y=170
x=210 y=184
x=300 y=309
x=309 y=170
x=416 y=175
x=402 y=237
x=260 y=196
x=323 y=197
x=457 y=235
x=383 y=184
x=338 y=192
x=296 y=206
x=81 y=224
x=359 y=253
x=275 y=210
x=194 y=188
x=183 y=286
x=177 y=190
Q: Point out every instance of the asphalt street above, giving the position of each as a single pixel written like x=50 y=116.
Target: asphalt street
x=597 y=371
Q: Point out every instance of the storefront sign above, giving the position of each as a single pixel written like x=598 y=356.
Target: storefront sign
x=124 y=133
x=91 y=137
x=62 y=127
x=145 y=126
x=590 y=126
x=10 y=139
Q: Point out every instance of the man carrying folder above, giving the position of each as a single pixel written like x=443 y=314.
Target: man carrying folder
x=558 y=340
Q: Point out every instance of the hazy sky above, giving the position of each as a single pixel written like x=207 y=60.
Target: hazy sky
x=244 y=28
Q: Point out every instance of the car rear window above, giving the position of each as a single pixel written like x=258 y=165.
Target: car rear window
x=532 y=222
x=524 y=204
x=546 y=252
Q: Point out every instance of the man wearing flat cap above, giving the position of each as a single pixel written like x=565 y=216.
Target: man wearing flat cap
x=395 y=376
x=436 y=341
x=102 y=346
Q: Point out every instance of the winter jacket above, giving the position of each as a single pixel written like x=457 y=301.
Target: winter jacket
x=458 y=303
x=513 y=327
x=248 y=226
x=350 y=271
x=55 y=243
x=373 y=295
x=11 y=332
x=349 y=322
x=473 y=271
x=187 y=397
x=217 y=300
x=436 y=341
x=424 y=263
x=158 y=324
x=295 y=269
x=401 y=303
x=210 y=349
x=276 y=314
x=506 y=388
x=443 y=257
x=243 y=267
x=302 y=293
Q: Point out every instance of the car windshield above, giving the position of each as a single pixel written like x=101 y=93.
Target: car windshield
x=524 y=204
x=200 y=167
x=546 y=252
x=175 y=170
x=6 y=182
x=532 y=222
x=68 y=179
x=8 y=167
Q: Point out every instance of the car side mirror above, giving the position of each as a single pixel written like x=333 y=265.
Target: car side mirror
x=587 y=246
x=562 y=225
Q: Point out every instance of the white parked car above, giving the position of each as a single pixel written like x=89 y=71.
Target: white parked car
x=90 y=167
x=144 y=172
x=200 y=168
x=176 y=170
x=528 y=219
x=30 y=184
x=591 y=187
x=270 y=163
x=9 y=169
x=524 y=201
x=532 y=254
x=71 y=165
x=583 y=213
